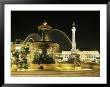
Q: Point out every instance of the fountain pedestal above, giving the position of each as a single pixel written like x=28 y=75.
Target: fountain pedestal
x=44 y=45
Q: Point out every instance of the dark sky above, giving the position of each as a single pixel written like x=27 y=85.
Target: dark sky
x=87 y=25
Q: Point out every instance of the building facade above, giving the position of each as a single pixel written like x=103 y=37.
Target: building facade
x=84 y=56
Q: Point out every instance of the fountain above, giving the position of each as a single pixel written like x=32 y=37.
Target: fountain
x=43 y=45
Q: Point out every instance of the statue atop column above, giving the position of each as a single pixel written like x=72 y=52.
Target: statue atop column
x=73 y=38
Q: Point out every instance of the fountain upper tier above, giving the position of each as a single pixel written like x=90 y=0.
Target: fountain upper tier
x=44 y=26
x=47 y=34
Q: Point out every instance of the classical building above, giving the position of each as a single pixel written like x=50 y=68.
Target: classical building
x=84 y=56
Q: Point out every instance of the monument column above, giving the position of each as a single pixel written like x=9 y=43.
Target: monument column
x=73 y=38
x=73 y=50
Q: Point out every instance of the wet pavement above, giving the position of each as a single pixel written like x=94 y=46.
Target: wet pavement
x=46 y=73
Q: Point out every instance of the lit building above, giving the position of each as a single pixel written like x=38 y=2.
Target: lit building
x=84 y=56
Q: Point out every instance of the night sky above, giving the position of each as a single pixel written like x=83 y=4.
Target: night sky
x=87 y=25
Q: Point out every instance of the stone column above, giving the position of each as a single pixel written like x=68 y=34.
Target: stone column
x=73 y=39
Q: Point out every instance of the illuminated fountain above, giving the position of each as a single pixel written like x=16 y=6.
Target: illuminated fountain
x=42 y=49
x=44 y=44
